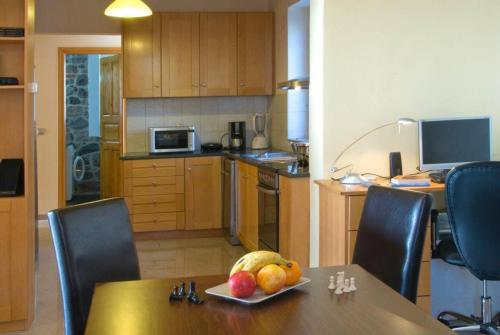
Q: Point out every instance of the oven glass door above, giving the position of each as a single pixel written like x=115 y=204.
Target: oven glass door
x=171 y=139
x=268 y=218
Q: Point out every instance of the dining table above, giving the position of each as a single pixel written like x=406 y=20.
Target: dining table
x=143 y=307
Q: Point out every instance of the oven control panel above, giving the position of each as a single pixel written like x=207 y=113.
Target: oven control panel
x=268 y=178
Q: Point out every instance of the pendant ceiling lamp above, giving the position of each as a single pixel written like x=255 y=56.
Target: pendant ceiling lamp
x=128 y=9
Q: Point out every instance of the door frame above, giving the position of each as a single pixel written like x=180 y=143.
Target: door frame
x=61 y=112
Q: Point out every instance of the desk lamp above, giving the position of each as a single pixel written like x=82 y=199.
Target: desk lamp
x=355 y=178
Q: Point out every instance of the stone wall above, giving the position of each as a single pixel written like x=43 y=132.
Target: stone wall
x=77 y=124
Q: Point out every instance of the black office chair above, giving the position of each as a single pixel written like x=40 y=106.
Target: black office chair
x=93 y=244
x=473 y=199
x=391 y=237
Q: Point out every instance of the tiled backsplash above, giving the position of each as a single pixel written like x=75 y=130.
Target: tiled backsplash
x=210 y=117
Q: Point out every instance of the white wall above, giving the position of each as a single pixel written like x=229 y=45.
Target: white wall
x=388 y=59
x=46 y=73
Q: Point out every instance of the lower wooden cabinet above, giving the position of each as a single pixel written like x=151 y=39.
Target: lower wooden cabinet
x=203 y=188
x=248 y=206
x=154 y=192
x=294 y=219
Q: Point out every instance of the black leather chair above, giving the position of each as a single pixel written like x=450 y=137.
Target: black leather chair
x=473 y=200
x=93 y=244
x=391 y=237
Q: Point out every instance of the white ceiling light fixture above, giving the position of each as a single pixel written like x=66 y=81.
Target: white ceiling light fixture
x=128 y=9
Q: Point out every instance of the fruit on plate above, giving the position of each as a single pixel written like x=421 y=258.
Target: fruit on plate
x=271 y=278
x=242 y=284
x=293 y=273
x=256 y=260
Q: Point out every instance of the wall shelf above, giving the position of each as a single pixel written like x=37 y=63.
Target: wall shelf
x=11 y=87
x=11 y=39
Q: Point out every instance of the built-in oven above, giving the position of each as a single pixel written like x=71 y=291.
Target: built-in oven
x=268 y=190
x=229 y=200
x=171 y=139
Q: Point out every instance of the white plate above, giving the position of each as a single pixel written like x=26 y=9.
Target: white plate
x=222 y=291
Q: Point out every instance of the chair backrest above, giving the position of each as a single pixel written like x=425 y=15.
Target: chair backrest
x=391 y=237
x=473 y=197
x=93 y=244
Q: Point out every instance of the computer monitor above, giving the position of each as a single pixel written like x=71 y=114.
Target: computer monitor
x=446 y=143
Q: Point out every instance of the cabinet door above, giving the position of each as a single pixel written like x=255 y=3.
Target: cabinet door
x=141 y=57
x=255 y=53
x=203 y=193
x=218 y=53
x=180 y=53
x=5 y=261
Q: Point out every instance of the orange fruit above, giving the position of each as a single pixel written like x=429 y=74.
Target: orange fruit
x=293 y=273
x=271 y=278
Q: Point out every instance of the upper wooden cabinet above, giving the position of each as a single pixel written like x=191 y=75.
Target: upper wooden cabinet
x=141 y=57
x=192 y=54
x=180 y=54
x=203 y=193
x=255 y=53
x=218 y=54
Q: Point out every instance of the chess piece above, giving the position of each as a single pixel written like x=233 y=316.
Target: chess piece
x=352 y=286
x=182 y=290
x=340 y=279
x=174 y=295
x=339 y=291
x=192 y=288
x=346 y=288
x=332 y=285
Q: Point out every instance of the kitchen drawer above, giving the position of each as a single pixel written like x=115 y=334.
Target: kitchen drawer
x=354 y=210
x=154 y=168
x=156 y=204
x=424 y=279
x=157 y=221
x=153 y=186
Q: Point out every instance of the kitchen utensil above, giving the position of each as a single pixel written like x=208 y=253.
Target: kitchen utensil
x=259 y=127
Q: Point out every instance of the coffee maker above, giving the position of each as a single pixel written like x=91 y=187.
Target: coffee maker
x=237 y=135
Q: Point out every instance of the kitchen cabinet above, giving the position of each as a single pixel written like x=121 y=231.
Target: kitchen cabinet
x=180 y=54
x=154 y=192
x=218 y=54
x=141 y=57
x=191 y=54
x=203 y=193
x=248 y=206
x=294 y=219
x=255 y=53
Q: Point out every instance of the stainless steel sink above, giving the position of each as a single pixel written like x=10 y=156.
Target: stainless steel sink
x=272 y=156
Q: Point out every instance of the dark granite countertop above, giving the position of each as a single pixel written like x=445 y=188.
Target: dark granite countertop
x=287 y=169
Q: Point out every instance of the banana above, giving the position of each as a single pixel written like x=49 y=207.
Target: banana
x=256 y=260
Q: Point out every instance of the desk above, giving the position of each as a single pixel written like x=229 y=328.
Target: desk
x=339 y=215
x=142 y=307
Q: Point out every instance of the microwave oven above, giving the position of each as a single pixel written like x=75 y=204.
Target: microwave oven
x=171 y=139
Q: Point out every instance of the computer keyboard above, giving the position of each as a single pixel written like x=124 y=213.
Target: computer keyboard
x=439 y=177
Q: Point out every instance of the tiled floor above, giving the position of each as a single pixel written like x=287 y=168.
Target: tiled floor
x=158 y=259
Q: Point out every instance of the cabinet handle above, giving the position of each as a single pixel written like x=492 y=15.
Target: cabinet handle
x=195 y=85
x=157 y=86
x=189 y=170
x=153 y=184
x=242 y=84
x=154 y=166
x=203 y=84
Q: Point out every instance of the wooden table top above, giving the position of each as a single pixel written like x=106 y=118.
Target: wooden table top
x=143 y=307
x=343 y=189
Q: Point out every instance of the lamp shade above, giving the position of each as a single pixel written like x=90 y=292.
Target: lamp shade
x=128 y=9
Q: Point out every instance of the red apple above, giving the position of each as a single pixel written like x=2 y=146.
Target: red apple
x=242 y=284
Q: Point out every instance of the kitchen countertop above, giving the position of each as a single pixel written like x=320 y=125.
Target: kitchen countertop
x=286 y=169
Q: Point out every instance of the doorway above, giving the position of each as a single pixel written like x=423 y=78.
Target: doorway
x=90 y=124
